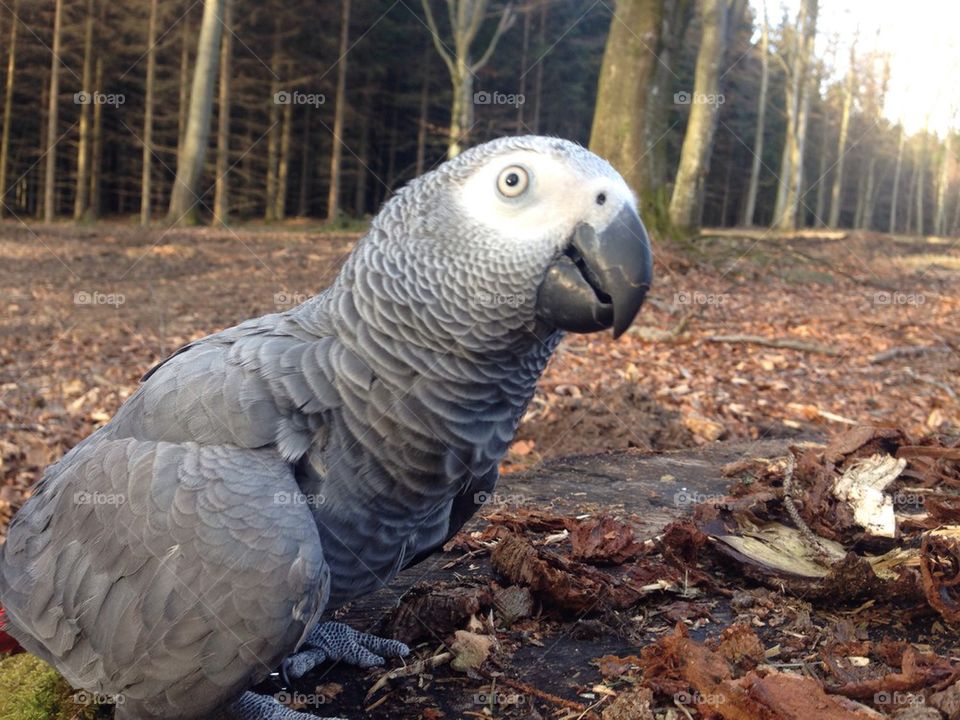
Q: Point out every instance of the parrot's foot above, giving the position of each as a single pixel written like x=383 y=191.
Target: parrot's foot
x=251 y=706
x=335 y=641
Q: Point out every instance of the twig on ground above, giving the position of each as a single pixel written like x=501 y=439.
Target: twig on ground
x=787 y=343
x=407 y=670
x=906 y=351
x=932 y=381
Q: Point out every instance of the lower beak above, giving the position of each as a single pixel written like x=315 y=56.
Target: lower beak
x=601 y=279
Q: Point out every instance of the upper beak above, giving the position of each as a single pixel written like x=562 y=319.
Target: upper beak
x=601 y=279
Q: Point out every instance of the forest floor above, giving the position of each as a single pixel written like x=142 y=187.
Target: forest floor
x=746 y=337
x=865 y=328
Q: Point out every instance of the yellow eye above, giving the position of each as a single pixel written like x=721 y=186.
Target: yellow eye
x=513 y=181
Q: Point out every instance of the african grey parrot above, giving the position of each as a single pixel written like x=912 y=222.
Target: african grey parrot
x=265 y=475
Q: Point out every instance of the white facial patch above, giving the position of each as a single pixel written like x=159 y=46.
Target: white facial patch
x=558 y=196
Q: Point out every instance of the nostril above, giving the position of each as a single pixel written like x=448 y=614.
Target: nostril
x=601 y=198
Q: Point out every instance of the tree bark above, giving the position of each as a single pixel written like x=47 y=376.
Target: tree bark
x=363 y=160
x=303 y=207
x=273 y=131
x=422 y=122
x=894 y=199
x=798 y=89
x=8 y=105
x=686 y=204
x=943 y=182
x=145 y=184
x=920 y=173
x=619 y=130
x=80 y=198
x=190 y=159
x=538 y=72
x=466 y=18
x=870 y=195
x=96 y=150
x=283 y=164
x=184 y=84
x=836 y=192
x=50 y=178
x=750 y=209
x=336 y=154
x=221 y=189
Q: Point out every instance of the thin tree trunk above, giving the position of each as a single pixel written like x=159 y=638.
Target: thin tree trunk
x=283 y=165
x=184 y=84
x=538 y=72
x=940 y=217
x=797 y=104
x=836 y=193
x=894 y=199
x=955 y=225
x=920 y=173
x=96 y=151
x=686 y=204
x=183 y=198
x=861 y=200
x=50 y=178
x=303 y=209
x=821 y=201
x=422 y=123
x=145 y=184
x=750 y=210
x=8 y=106
x=336 y=156
x=363 y=160
x=221 y=189
x=524 y=60
x=273 y=131
x=80 y=199
x=870 y=195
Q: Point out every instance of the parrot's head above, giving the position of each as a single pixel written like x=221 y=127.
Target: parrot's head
x=523 y=233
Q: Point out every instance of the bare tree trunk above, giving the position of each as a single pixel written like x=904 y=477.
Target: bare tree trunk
x=422 y=123
x=183 y=197
x=96 y=151
x=940 y=216
x=920 y=173
x=466 y=18
x=145 y=184
x=184 y=85
x=336 y=155
x=304 y=167
x=524 y=60
x=836 y=193
x=686 y=204
x=221 y=188
x=363 y=159
x=83 y=147
x=273 y=131
x=870 y=195
x=8 y=106
x=283 y=165
x=50 y=178
x=538 y=72
x=619 y=130
x=797 y=104
x=750 y=210
x=820 y=207
x=955 y=225
x=894 y=199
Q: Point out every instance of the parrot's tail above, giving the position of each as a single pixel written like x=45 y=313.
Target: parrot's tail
x=8 y=645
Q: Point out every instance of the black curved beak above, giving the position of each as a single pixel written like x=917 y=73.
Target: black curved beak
x=601 y=279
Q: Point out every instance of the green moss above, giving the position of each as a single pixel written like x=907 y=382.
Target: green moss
x=32 y=690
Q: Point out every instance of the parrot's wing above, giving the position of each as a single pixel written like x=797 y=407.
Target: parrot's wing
x=160 y=570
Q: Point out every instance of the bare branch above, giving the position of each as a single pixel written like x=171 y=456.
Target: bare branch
x=437 y=42
x=506 y=22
